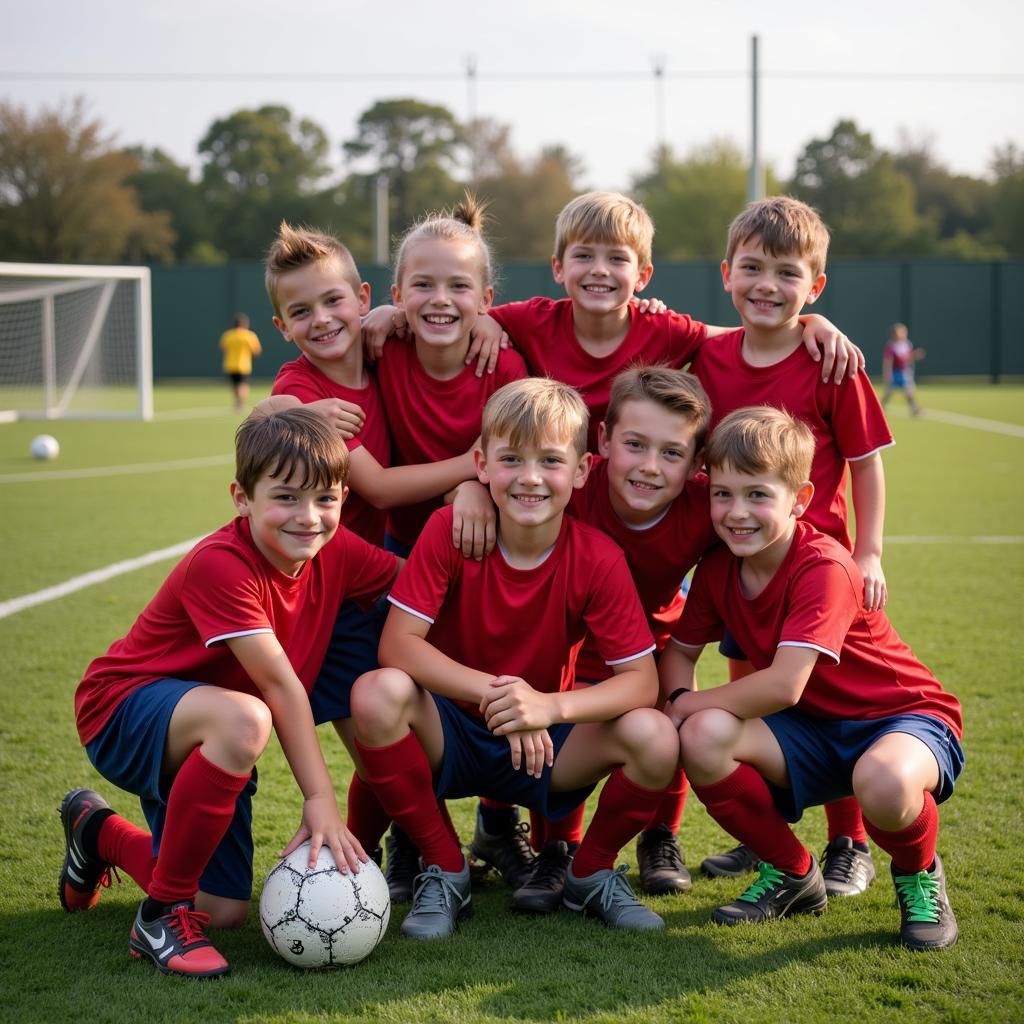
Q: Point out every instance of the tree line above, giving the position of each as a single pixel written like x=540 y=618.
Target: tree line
x=69 y=194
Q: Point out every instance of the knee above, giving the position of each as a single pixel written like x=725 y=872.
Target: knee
x=380 y=697
x=649 y=736
x=704 y=735
x=246 y=725
x=884 y=785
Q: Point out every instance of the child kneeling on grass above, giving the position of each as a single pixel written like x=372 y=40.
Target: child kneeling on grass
x=180 y=709
x=477 y=694
x=837 y=704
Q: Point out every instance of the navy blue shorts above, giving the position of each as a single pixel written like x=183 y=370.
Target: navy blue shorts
x=728 y=647
x=129 y=752
x=820 y=754
x=351 y=652
x=396 y=546
x=478 y=762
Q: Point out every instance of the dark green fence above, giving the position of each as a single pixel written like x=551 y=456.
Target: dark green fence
x=969 y=316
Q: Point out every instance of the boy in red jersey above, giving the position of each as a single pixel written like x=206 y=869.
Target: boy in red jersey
x=180 y=710
x=646 y=493
x=837 y=703
x=479 y=693
x=774 y=266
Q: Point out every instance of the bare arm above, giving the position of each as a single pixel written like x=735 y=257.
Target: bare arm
x=867 y=478
x=266 y=663
x=346 y=417
x=406 y=485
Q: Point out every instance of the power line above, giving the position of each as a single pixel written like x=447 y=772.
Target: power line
x=958 y=77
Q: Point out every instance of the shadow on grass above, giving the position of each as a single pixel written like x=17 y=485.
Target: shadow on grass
x=499 y=965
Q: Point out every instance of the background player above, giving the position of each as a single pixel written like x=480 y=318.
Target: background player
x=898 y=359
x=239 y=345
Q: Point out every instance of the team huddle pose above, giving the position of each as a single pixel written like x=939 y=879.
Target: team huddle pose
x=461 y=535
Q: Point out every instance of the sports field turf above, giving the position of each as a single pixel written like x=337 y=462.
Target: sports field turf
x=955 y=563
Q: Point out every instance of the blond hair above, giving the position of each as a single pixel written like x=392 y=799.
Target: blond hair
x=607 y=217
x=463 y=223
x=534 y=410
x=678 y=392
x=784 y=226
x=763 y=439
x=295 y=248
x=292 y=443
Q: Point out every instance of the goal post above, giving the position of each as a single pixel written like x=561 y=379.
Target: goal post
x=75 y=342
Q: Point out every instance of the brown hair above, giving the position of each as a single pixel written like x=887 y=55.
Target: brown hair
x=295 y=248
x=293 y=443
x=463 y=223
x=763 y=439
x=674 y=390
x=536 y=409
x=784 y=226
x=607 y=217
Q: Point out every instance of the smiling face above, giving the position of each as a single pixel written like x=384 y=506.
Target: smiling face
x=600 y=277
x=755 y=513
x=441 y=291
x=651 y=453
x=289 y=523
x=321 y=311
x=769 y=291
x=531 y=483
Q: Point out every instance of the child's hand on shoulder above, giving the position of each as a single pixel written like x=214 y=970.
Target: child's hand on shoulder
x=876 y=594
x=346 y=417
x=651 y=305
x=474 y=520
x=486 y=341
x=839 y=357
x=380 y=324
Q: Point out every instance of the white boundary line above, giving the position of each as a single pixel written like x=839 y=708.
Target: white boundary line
x=204 y=462
x=19 y=604
x=995 y=539
x=974 y=422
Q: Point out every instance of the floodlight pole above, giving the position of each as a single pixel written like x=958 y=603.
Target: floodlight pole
x=659 y=100
x=755 y=182
x=381 y=229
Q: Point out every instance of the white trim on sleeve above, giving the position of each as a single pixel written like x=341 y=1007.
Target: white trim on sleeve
x=231 y=636
x=632 y=657
x=813 y=647
x=411 y=611
x=692 y=647
x=874 y=451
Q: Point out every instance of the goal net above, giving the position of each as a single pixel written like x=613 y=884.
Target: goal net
x=75 y=342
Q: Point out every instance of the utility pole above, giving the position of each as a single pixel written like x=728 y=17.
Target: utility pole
x=658 y=62
x=381 y=221
x=755 y=182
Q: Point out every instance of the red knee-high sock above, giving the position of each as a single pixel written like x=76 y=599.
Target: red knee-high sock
x=622 y=811
x=669 y=811
x=538 y=830
x=497 y=805
x=742 y=804
x=366 y=819
x=199 y=810
x=568 y=829
x=400 y=776
x=442 y=806
x=127 y=847
x=912 y=848
x=844 y=819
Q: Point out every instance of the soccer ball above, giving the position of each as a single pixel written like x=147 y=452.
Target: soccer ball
x=319 y=917
x=44 y=447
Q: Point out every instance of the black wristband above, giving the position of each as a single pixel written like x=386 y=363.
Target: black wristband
x=675 y=693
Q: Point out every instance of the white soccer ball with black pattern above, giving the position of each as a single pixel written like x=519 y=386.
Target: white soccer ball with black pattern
x=319 y=917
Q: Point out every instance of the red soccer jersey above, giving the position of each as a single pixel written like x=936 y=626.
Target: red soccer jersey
x=659 y=555
x=225 y=588
x=846 y=419
x=815 y=599
x=308 y=383
x=543 y=330
x=433 y=419
x=530 y=623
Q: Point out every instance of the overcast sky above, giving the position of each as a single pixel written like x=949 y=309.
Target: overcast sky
x=949 y=72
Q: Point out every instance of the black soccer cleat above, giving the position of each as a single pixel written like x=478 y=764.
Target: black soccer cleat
x=927 y=921
x=403 y=865
x=175 y=943
x=660 y=861
x=508 y=852
x=734 y=863
x=542 y=891
x=847 y=869
x=775 y=894
x=83 y=875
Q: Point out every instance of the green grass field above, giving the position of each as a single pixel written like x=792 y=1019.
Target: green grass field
x=955 y=565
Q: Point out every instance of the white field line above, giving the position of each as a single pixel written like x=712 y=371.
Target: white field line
x=132 y=469
x=212 y=412
x=19 y=604
x=996 y=539
x=973 y=422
